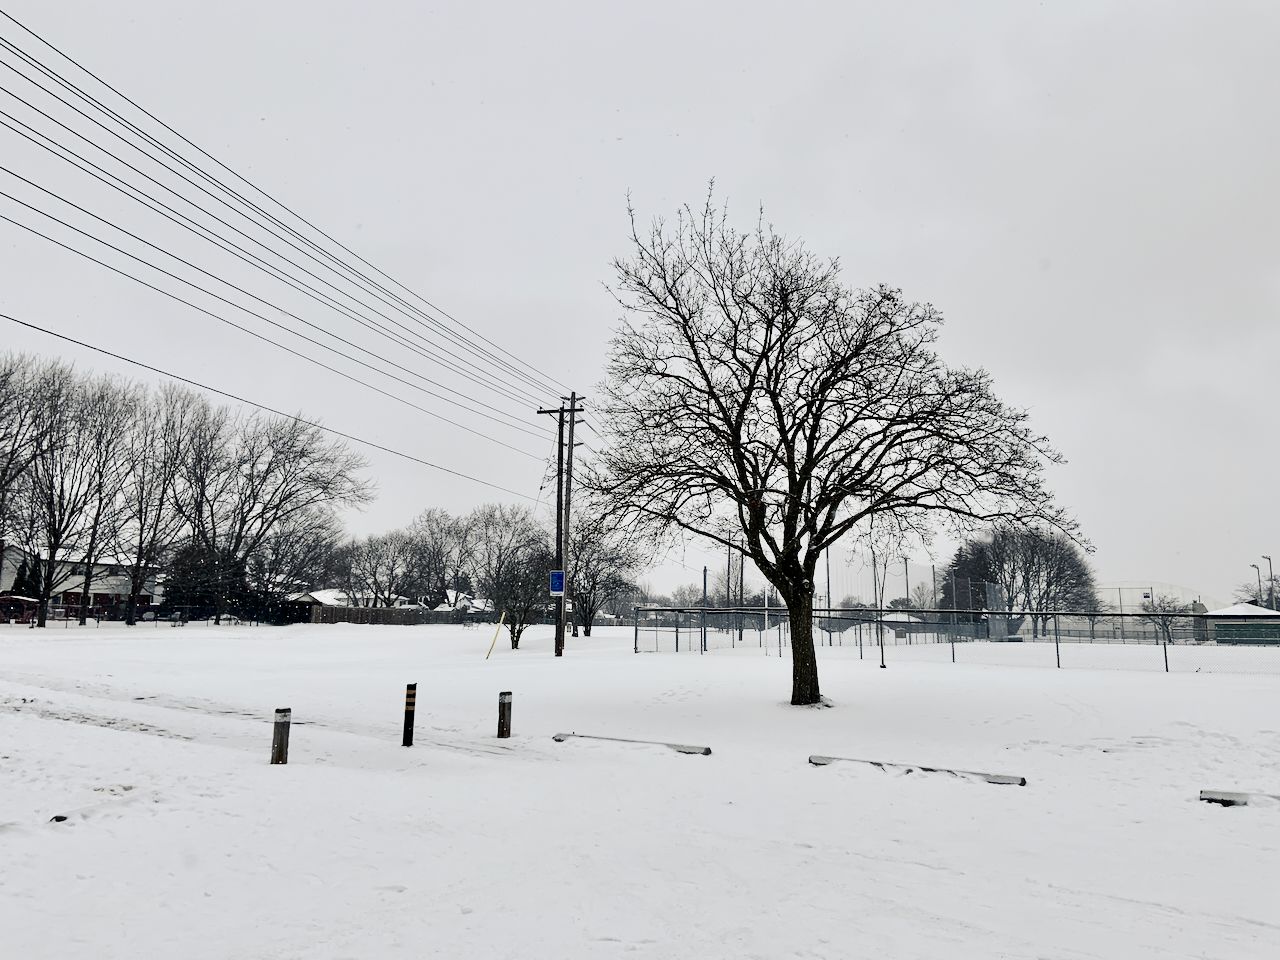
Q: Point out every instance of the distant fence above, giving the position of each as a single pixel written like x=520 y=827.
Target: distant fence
x=1171 y=642
x=278 y=614
x=402 y=616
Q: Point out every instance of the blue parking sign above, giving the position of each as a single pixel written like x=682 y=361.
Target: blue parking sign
x=557 y=583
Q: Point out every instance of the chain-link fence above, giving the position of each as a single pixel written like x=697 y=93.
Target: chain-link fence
x=65 y=617
x=1171 y=642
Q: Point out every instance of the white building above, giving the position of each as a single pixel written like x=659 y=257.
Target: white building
x=109 y=584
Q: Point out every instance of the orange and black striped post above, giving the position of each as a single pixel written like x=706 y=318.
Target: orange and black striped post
x=410 y=702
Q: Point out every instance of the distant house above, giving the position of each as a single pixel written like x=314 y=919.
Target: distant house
x=109 y=583
x=1244 y=623
x=330 y=597
x=901 y=622
x=323 y=598
x=457 y=601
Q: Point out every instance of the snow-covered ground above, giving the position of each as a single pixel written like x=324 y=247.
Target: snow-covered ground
x=182 y=841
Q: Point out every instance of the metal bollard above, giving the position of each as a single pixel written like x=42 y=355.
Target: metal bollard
x=410 y=703
x=280 y=736
x=504 y=715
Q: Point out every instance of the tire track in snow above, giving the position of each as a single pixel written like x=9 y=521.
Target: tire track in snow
x=214 y=709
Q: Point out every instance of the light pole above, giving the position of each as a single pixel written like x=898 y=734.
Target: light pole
x=1258 y=570
x=1271 y=583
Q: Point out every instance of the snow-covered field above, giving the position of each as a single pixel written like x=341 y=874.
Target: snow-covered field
x=181 y=840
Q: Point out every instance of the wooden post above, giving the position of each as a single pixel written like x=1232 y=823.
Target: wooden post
x=504 y=715
x=410 y=704
x=280 y=736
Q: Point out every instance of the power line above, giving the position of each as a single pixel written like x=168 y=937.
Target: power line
x=252 y=333
x=231 y=192
x=214 y=217
x=146 y=137
x=263 y=193
x=260 y=406
x=267 y=303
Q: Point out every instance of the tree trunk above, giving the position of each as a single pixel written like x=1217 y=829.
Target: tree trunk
x=131 y=606
x=804 y=661
x=87 y=583
x=46 y=590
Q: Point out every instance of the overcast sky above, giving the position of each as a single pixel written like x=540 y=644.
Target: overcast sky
x=1087 y=190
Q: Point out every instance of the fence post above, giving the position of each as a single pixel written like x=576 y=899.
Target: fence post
x=280 y=736
x=1057 y=649
x=504 y=715
x=1164 y=638
x=637 y=619
x=677 y=631
x=410 y=704
x=702 y=617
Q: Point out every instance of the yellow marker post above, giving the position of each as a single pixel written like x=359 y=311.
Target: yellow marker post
x=495 y=635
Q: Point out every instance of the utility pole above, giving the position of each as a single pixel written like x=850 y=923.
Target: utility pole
x=742 y=566
x=703 y=616
x=568 y=498
x=728 y=574
x=829 y=603
x=906 y=579
x=563 y=493
x=1271 y=583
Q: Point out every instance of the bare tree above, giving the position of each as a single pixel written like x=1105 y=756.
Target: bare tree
x=512 y=560
x=25 y=429
x=1249 y=591
x=1056 y=576
x=243 y=478
x=603 y=563
x=153 y=450
x=922 y=597
x=299 y=554
x=58 y=485
x=687 y=595
x=750 y=394
x=1166 y=614
x=380 y=568
x=1098 y=610
x=442 y=551
x=110 y=408
x=1036 y=570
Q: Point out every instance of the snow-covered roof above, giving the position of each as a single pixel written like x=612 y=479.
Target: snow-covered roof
x=327 y=598
x=1245 y=610
x=899 y=616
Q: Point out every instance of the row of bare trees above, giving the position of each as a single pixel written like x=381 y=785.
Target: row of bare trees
x=1032 y=569
x=501 y=553
x=95 y=467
